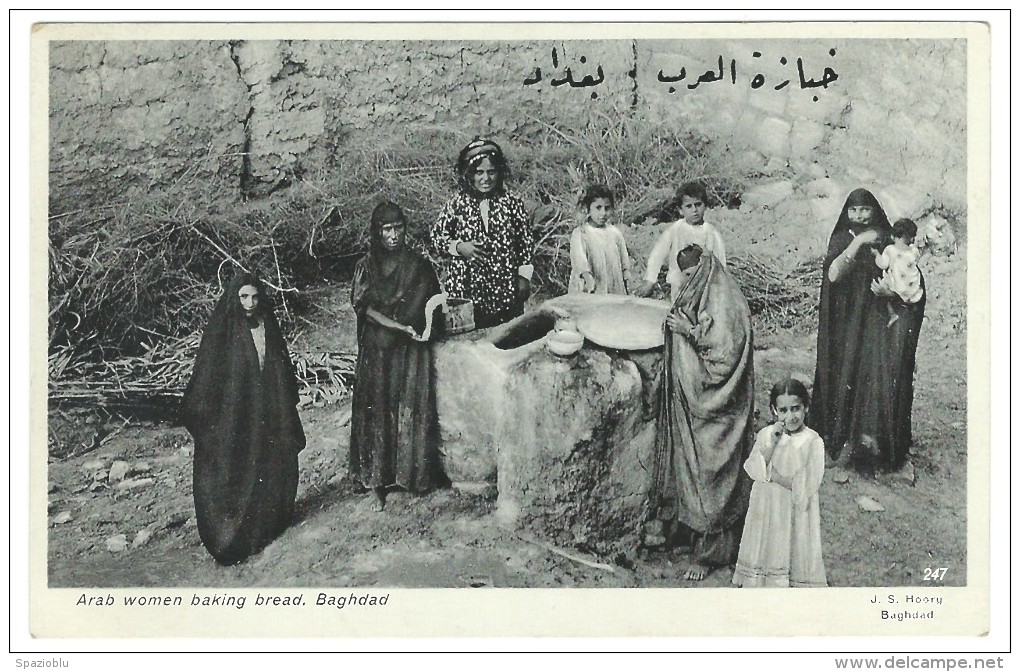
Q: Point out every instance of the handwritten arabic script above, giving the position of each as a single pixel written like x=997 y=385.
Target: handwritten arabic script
x=722 y=71
x=568 y=75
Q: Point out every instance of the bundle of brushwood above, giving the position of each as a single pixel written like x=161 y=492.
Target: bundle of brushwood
x=151 y=264
x=154 y=261
x=162 y=371
x=778 y=299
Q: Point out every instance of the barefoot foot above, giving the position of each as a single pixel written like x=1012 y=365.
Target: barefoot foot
x=380 y=498
x=696 y=572
x=842 y=460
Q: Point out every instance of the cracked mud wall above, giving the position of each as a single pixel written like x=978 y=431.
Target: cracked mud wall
x=309 y=96
x=129 y=115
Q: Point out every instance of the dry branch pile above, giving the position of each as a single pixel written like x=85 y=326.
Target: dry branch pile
x=778 y=300
x=163 y=370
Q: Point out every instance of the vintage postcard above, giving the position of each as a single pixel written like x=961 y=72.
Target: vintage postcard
x=510 y=330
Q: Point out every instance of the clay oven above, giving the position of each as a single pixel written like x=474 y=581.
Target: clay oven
x=567 y=440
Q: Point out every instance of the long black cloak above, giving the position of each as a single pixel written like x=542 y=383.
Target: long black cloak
x=246 y=428
x=865 y=367
x=394 y=427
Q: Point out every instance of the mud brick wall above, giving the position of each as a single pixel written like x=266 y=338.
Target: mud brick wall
x=131 y=114
x=307 y=96
x=128 y=115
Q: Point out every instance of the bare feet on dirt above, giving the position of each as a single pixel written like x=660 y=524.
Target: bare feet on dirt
x=380 y=499
x=697 y=572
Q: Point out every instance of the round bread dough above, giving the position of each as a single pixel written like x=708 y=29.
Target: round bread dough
x=615 y=320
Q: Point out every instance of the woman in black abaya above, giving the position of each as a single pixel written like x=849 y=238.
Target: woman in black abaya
x=864 y=376
x=394 y=427
x=241 y=408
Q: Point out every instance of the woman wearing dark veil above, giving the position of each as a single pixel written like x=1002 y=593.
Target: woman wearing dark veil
x=241 y=408
x=864 y=375
x=394 y=427
x=704 y=431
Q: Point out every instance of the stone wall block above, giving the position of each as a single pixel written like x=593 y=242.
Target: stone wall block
x=824 y=188
x=768 y=195
x=828 y=109
x=805 y=139
x=124 y=54
x=259 y=61
x=769 y=102
x=773 y=138
x=867 y=120
x=77 y=55
x=825 y=211
x=903 y=200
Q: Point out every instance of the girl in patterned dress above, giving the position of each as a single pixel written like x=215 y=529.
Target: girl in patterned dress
x=483 y=238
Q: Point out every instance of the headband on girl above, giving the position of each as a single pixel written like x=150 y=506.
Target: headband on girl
x=480 y=148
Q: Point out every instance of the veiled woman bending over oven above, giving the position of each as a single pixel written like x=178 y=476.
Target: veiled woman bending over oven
x=706 y=404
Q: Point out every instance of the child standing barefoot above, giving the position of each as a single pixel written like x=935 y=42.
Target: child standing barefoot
x=781 y=546
x=599 y=262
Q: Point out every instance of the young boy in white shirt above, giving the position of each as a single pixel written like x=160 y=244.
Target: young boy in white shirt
x=690 y=229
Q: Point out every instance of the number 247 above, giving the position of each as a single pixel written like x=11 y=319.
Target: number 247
x=936 y=574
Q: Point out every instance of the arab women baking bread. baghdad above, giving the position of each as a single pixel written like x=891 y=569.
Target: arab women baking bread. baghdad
x=483 y=238
x=241 y=408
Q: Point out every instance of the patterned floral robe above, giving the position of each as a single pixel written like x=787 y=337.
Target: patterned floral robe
x=491 y=284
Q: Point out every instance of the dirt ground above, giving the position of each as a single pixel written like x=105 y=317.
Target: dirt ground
x=136 y=527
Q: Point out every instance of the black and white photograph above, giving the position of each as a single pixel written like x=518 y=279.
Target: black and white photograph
x=339 y=314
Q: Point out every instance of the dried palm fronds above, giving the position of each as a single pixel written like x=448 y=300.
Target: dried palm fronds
x=155 y=261
x=131 y=281
x=162 y=371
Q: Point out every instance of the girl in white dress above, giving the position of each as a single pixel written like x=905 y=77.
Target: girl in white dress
x=599 y=262
x=781 y=546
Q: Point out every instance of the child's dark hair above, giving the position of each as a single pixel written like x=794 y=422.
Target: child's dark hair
x=904 y=228
x=594 y=191
x=791 y=386
x=694 y=190
x=689 y=256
